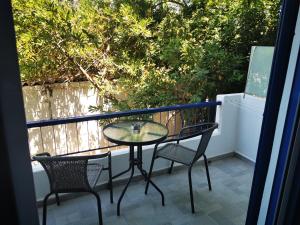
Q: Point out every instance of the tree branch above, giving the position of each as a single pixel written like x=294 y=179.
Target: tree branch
x=172 y=1
x=85 y=73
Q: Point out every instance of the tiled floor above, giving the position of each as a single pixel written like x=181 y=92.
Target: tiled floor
x=226 y=204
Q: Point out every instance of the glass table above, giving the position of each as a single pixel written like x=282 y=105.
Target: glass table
x=135 y=133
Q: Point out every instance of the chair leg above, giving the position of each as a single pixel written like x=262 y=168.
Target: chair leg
x=57 y=199
x=110 y=186
x=207 y=172
x=171 y=167
x=45 y=208
x=111 y=193
x=172 y=164
x=149 y=175
x=191 y=190
x=99 y=207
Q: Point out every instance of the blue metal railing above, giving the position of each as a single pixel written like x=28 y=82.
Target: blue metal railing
x=54 y=123
x=44 y=123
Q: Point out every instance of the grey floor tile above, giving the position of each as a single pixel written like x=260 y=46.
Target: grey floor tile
x=226 y=204
x=219 y=218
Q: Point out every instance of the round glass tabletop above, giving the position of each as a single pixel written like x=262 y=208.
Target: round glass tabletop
x=136 y=132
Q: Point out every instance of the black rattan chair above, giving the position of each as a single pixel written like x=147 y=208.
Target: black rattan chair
x=186 y=156
x=69 y=174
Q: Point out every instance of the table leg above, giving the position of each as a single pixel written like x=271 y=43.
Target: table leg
x=131 y=166
x=145 y=175
x=140 y=162
x=123 y=172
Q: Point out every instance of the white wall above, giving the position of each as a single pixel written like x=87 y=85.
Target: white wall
x=249 y=122
x=246 y=123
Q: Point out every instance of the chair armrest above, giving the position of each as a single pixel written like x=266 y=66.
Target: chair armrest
x=43 y=154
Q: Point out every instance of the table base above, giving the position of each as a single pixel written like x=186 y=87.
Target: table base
x=139 y=163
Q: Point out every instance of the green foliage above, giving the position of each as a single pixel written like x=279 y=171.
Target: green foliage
x=143 y=53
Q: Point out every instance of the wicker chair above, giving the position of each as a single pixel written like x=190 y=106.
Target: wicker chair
x=186 y=156
x=69 y=174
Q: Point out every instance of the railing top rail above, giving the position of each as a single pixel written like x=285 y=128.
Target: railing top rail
x=61 y=121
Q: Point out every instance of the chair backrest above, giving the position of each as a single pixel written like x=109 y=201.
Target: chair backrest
x=67 y=174
x=183 y=118
x=175 y=123
x=204 y=130
x=207 y=131
x=193 y=116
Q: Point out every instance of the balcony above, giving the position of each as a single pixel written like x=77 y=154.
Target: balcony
x=231 y=152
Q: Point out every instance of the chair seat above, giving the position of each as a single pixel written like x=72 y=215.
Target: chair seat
x=177 y=153
x=93 y=172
